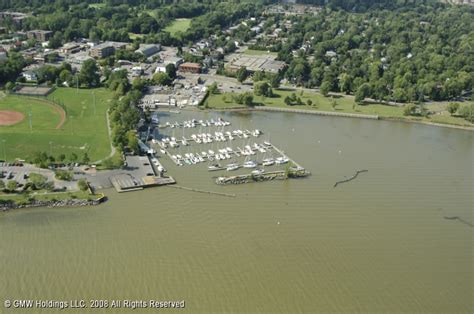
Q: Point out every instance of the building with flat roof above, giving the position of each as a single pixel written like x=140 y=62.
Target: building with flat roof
x=266 y=63
x=69 y=48
x=39 y=35
x=173 y=60
x=106 y=49
x=190 y=67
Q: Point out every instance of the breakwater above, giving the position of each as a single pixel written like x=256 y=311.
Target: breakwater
x=266 y=176
x=351 y=178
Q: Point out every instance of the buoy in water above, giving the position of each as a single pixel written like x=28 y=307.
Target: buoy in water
x=278 y=223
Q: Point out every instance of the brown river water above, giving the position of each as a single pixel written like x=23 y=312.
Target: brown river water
x=376 y=244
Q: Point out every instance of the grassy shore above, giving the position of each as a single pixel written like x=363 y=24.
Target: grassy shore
x=84 y=130
x=343 y=104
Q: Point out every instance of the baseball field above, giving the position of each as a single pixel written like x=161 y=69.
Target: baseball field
x=67 y=121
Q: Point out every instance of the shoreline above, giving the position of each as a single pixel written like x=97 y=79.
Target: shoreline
x=52 y=204
x=329 y=113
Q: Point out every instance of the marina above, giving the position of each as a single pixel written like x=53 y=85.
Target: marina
x=208 y=142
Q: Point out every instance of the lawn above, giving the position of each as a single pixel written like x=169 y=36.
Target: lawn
x=134 y=36
x=97 y=5
x=84 y=130
x=178 y=25
x=319 y=102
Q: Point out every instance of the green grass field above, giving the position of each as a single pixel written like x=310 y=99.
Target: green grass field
x=84 y=130
x=178 y=25
x=319 y=102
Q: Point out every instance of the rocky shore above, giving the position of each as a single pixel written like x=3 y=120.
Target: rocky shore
x=63 y=203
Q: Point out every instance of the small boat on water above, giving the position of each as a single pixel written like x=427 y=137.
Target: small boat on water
x=281 y=160
x=268 y=162
x=214 y=167
x=250 y=164
x=232 y=167
x=258 y=171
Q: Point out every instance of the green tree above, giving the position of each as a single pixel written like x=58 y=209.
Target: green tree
x=241 y=74
x=362 y=92
x=309 y=102
x=73 y=157
x=132 y=141
x=85 y=159
x=248 y=99
x=262 y=88
x=171 y=71
x=12 y=185
x=325 y=88
x=467 y=112
x=452 y=107
x=89 y=74
x=2 y=185
x=409 y=110
x=162 y=78
x=37 y=180
x=82 y=184
x=213 y=89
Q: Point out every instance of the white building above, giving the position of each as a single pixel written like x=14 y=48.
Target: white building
x=30 y=76
x=161 y=67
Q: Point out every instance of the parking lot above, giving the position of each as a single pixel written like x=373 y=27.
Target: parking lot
x=20 y=173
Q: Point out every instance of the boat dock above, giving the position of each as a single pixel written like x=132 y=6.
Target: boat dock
x=137 y=175
x=282 y=153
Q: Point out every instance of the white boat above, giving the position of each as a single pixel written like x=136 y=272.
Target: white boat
x=268 y=162
x=250 y=164
x=281 y=160
x=232 y=167
x=214 y=167
x=258 y=171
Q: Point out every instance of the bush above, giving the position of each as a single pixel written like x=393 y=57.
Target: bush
x=63 y=175
x=452 y=107
x=82 y=184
